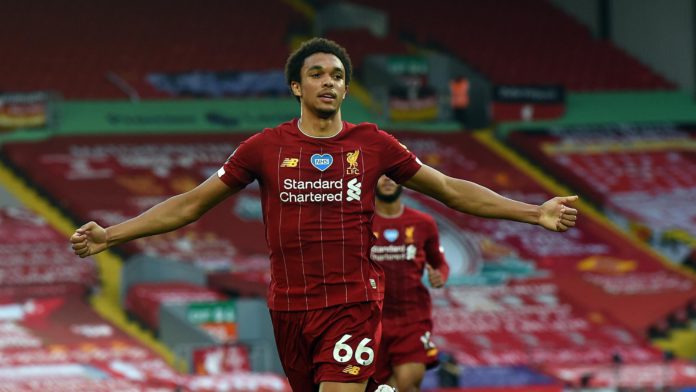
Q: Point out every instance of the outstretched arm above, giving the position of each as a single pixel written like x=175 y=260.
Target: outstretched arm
x=471 y=198
x=171 y=214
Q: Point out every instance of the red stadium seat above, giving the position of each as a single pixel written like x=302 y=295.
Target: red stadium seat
x=70 y=46
x=521 y=42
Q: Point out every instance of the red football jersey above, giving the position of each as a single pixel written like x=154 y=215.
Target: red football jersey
x=318 y=201
x=404 y=244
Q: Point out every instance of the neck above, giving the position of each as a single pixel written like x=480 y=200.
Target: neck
x=389 y=210
x=313 y=125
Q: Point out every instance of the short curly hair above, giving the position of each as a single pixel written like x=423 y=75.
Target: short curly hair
x=296 y=60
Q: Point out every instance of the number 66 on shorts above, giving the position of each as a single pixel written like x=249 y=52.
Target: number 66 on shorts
x=337 y=344
x=363 y=355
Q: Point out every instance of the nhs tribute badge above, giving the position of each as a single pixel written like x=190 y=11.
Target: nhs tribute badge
x=391 y=234
x=321 y=161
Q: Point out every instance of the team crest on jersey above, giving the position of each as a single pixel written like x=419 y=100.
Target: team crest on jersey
x=290 y=162
x=352 y=159
x=321 y=161
x=391 y=234
x=408 y=234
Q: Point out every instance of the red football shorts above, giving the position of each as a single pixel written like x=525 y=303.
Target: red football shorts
x=338 y=343
x=405 y=343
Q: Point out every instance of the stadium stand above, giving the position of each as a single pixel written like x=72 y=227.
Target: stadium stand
x=34 y=260
x=644 y=177
x=524 y=307
x=71 y=46
x=145 y=299
x=52 y=340
x=580 y=293
x=361 y=43
x=521 y=43
x=117 y=177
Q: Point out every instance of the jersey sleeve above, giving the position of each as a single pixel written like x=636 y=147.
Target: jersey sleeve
x=400 y=163
x=434 y=254
x=244 y=165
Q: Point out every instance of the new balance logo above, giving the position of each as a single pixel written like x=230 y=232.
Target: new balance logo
x=353 y=370
x=354 y=190
x=290 y=162
x=428 y=345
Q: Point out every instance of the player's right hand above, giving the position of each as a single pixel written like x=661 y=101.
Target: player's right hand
x=89 y=239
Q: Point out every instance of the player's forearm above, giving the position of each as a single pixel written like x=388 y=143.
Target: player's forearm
x=169 y=215
x=471 y=198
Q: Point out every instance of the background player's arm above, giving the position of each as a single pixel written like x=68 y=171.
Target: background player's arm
x=436 y=277
x=171 y=214
x=435 y=262
x=466 y=196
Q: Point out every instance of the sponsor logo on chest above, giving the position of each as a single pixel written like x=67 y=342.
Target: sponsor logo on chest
x=325 y=189
x=404 y=250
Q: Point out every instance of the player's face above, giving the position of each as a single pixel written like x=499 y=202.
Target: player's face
x=323 y=86
x=388 y=190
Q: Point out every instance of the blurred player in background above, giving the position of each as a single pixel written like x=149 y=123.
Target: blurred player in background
x=318 y=176
x=407 y=243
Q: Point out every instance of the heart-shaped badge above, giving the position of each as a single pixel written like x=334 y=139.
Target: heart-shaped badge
x=391 y=234
x=321 y=161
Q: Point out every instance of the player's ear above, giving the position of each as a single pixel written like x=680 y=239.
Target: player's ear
x=345 y=93
x=296 y=89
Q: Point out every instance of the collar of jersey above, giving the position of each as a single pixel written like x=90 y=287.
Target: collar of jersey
x=297 y=124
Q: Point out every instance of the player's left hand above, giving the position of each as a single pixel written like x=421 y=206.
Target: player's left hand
x=434 y=277
x=556 y=215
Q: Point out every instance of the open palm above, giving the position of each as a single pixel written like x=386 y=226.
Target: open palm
x=556 y=215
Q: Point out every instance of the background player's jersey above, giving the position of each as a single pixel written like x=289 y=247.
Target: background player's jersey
x=404 y=244
x=318 y=200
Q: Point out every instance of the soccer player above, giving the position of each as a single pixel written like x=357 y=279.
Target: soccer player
x=317 y=176
x=407 y=243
